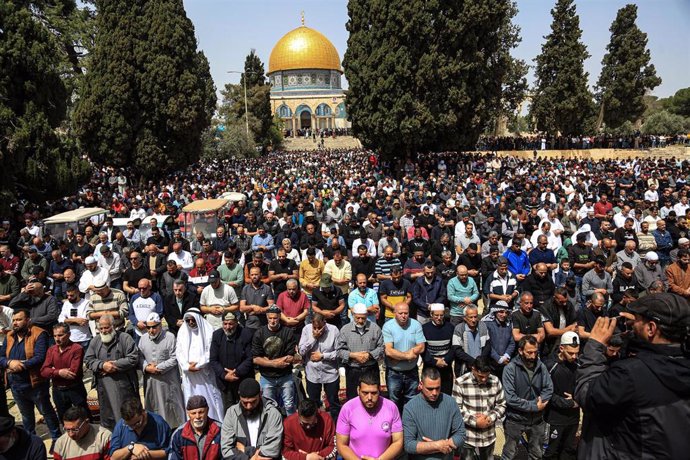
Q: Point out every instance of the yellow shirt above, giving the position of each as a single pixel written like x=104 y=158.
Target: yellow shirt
x=310 y=274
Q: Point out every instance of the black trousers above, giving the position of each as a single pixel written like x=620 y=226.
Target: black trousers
x=562 y=442
x=331 y=390
x=4 y=410
x=352 y=375
x=230 y=394
x=64 y=398
x=447 y=378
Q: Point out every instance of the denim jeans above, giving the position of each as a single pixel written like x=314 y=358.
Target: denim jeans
x=402 y=386
x=280 y=389
x=580 y=296
x=38 y=397
x=535 y=435
x=64 y=398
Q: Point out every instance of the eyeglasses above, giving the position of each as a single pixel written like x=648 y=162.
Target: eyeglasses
x=76 y=430
x=138 y=424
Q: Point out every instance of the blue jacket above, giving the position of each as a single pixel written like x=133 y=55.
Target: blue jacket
x=502 y=342
x=518 y=264
x=522 y=393
x=664 y=244
x=424 y=294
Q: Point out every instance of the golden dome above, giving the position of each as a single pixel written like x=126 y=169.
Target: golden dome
x=303 y=48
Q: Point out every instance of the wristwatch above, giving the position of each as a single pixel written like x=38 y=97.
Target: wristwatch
x=130 y=448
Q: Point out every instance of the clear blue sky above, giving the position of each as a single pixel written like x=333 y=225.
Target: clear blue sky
x=228 y=29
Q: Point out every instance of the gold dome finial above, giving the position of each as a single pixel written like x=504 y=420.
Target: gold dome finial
x=302 y=17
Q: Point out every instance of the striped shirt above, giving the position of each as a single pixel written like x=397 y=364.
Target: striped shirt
x=384 y=266
x=94 y=446
x=351 y=340
x=473 y=399
x=115 y=302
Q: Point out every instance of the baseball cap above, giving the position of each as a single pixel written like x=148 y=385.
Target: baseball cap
x=664 y=308
x=570 y=338
x=326 y=281
x=214 y=275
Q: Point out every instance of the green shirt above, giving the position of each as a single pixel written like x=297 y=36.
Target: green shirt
x=232 y=275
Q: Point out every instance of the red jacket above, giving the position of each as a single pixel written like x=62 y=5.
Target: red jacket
x=321 y=440
x=183 y=445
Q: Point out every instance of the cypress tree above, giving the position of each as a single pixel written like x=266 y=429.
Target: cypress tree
x=148 y=95
x=38 y=161
x=627 y=73
x=258 y=102
x=425 y=75
x=561 y=101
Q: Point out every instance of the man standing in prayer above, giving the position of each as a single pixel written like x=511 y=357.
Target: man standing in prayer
x=162 y=384
x=112 y=356
x=193 y=353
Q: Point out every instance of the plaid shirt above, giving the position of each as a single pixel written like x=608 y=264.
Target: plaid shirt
x=474 y=399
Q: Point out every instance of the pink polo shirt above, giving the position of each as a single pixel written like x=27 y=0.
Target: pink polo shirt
x=370 y=433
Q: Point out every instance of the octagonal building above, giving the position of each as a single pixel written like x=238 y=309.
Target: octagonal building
x=305 y=75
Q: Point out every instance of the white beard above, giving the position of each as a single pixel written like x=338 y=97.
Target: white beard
x=107 y=338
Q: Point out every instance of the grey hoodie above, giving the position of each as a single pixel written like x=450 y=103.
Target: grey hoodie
x=270 y=439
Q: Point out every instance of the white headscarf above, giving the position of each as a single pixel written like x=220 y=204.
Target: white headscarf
x=587 y=230
x=194 y=342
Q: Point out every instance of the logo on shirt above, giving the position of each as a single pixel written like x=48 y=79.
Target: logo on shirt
x=386 y=426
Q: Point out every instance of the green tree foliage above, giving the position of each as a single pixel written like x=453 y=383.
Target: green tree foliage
x=561 y=101
x=626 y=73
x=679 y=103
x=148 y=95
x=38 y=161
x=427 y=74
x=666 y=123
x=261 y=123
x=226 y=142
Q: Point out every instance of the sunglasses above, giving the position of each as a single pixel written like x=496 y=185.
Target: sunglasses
x=190 y=321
